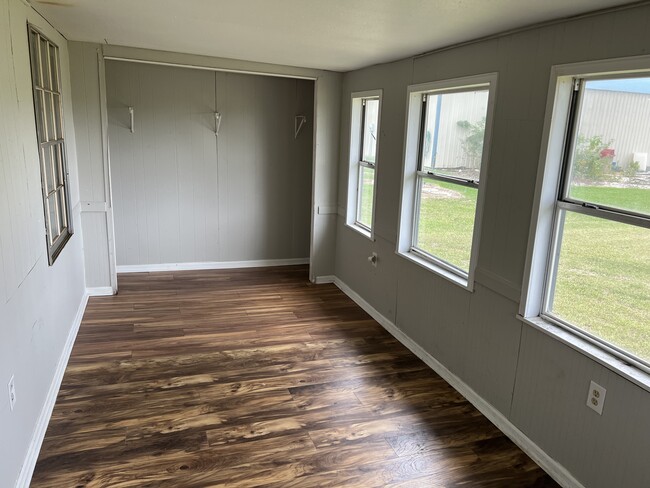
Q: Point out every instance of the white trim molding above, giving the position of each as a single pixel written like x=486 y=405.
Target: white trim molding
x=354 y=164
x=260 y=263
x=542 y=233
x=327 y=209
x=321 y=280
x=100 y=291
x=558 y=472
x=412 y=174
x=27 y=470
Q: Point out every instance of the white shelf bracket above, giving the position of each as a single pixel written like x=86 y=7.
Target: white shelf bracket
x=217 y=123
x=132 y=118
x=299 y=121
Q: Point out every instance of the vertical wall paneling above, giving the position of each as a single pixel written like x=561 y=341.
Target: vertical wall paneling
x=38 y=303
x=91 y=143
x=185 y=195
x=534 y=380
x=319 y=100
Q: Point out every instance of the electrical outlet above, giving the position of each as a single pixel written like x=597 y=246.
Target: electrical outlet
x=12 y=393
x=596 y=397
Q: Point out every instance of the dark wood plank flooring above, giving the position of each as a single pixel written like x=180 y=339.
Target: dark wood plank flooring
x=258 y=378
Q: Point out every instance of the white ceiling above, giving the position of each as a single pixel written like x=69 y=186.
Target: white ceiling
x=338 y=35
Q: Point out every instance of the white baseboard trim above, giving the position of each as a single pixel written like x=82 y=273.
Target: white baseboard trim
x=99 y=291
x=29 y=464
x=321 y=280
x=558 y=472
x=260 y=263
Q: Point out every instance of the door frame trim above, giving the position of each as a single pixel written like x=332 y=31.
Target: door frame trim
x=102 y=58
x=210 y=68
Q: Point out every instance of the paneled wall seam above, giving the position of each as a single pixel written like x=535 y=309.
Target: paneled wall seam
x=514 y=383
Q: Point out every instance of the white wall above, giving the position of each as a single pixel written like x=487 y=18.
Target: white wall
x=38 y=303
x=92 y=151
x=536 y=382
x=87 y=72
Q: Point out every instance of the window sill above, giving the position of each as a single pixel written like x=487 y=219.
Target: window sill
x=429 y=266
x=364 y=232
x=591 y=350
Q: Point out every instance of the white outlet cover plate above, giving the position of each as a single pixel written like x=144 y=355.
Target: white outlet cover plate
x=596 y=397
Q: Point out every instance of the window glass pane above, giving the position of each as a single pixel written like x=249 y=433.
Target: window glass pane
x=454 y=133
x=45 y=73
x=63 y=221
x=39 y=115
x=53 y=68
x=33 y=52
x=370 y=122
x=445 y=225
x=602 y=283
x=53 y=222
x=58 y=164
x=49 y=116
x=49 y=168
x=366 y=195
x=610 y=160
x=57 y=118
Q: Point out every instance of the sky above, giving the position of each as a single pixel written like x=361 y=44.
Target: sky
x=631 y=85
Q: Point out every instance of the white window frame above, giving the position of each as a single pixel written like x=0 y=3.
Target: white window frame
x=409 y=198
x=356 y=161
x=548 y=201
x=44 y=92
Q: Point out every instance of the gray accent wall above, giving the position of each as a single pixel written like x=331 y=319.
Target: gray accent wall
x=182 y=194
x=38 y=303
x=537 y=382
x=88 y=68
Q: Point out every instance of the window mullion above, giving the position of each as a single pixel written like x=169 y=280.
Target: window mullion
x=416 y=213
x=553 y=258
x=357 y=217
x=449 y=179
x=363 y=129
x=575 y=105
x=605 y=213
x=423 y=124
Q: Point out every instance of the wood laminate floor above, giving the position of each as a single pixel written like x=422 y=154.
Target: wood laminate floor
x=258 y=378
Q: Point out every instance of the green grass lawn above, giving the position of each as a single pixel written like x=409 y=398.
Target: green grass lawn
x=635 y=199
x=446 y=222
x=367 y=182
x=603 y=283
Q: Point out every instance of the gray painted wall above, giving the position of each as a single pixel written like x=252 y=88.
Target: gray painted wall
x=183 y=195
x=87 y=75
x=538 y=383
x=38 y=303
